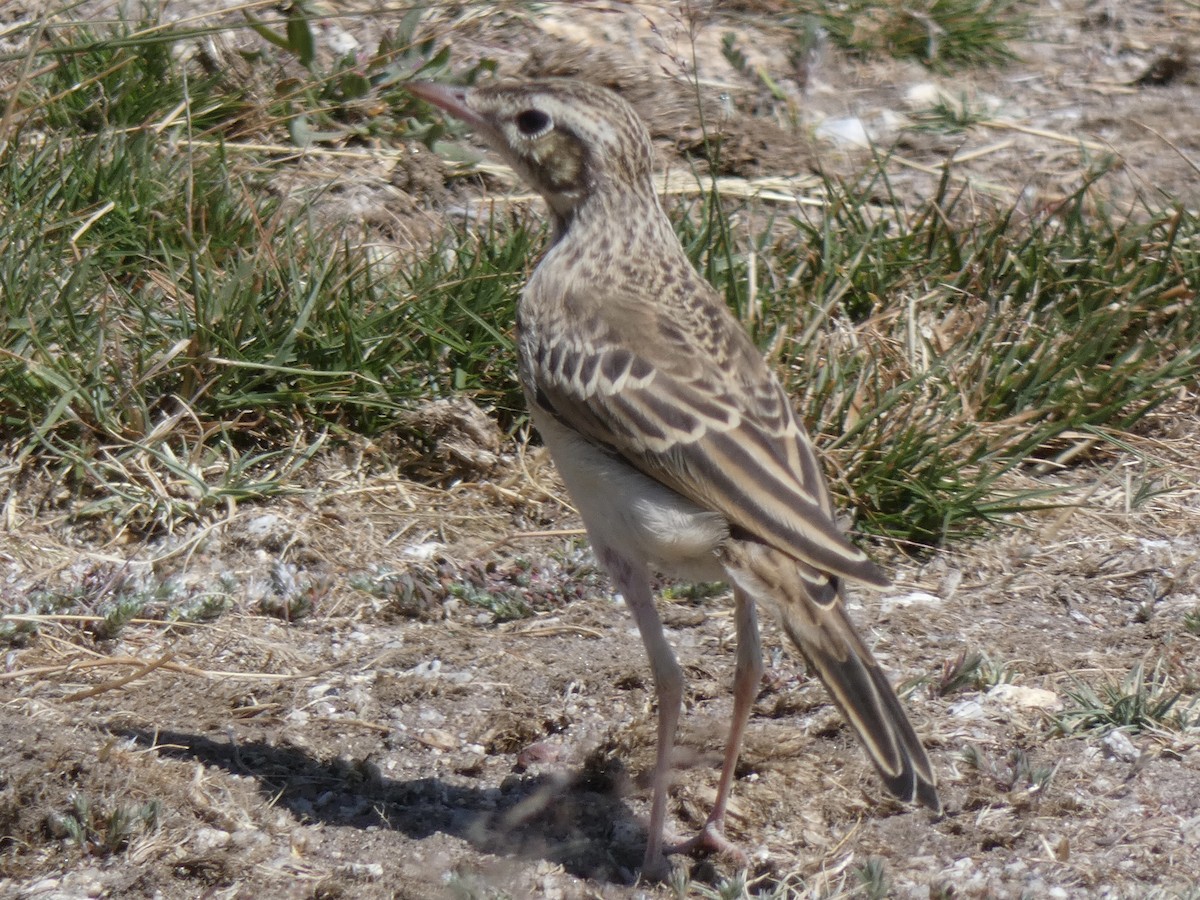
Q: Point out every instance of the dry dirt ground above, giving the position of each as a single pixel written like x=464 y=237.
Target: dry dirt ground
x=398 y=740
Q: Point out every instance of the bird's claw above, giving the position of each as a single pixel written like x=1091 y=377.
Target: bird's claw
x=711 y=839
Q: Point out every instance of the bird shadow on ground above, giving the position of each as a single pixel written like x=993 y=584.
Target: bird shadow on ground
x=576 y=820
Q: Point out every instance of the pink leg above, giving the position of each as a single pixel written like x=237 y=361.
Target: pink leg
x=747 y=677
x=634 y=583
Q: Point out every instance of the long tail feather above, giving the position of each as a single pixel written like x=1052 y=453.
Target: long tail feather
x=811 y=612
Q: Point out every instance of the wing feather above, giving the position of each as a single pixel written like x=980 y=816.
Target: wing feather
x=713 y=424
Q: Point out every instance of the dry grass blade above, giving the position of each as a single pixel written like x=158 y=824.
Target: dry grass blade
x=122 y=681
x=141 y=666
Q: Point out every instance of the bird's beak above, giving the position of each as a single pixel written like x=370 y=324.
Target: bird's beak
x=454 y=100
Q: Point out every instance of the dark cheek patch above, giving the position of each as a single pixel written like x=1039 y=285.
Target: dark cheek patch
x=564 y=163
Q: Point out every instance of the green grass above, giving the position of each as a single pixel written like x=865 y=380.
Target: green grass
x=1140 y=701
x=947 y=115
x=942 y=34
x=1039 y=330
x=192 y=330
x=1191 y=620
x=177 y=336
x=873 y=879
x=970 y=671
x=102 y=832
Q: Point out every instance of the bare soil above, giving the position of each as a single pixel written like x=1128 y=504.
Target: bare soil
x=399 y=738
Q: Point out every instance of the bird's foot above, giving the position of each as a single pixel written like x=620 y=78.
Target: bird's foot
x=711 y=839
x=708 y=840
x=655 y=869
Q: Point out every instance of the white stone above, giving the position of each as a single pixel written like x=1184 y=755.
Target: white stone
x=912 y=598
x=845 y=130
x=1119 y=745
x=208 y=839
x=427 y=550
x=1024 y=697
x=967 y=709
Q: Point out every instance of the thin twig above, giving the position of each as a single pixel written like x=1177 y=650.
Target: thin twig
x=121 y=682
x=76 y=665
x=1072 y=139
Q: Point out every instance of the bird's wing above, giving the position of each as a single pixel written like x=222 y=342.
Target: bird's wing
x=695 y=407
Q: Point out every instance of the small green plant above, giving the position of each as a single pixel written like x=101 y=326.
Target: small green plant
x=970 y=670
x=205 y=607
x=736 y=887
x=946 y=116
x=504 y=605
x=938 y=33
x=1191 y=620
x=737 y=58
x=1026 y=774
x=17 y=631
x=291 y=595
x=98 y=832
x=359 y=95
x=699 y=591
x=960 y=672
x=972 y=757
x=1139 y=701
x=732 y=888
x=118 y=614
x=413 y=594
x=872 y=876
x=1017 y=772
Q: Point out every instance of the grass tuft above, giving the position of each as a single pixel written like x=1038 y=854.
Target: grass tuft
x=970 y=670
x=939 y=33
x=947 y=115
x=1140 y=701
x=944 y=355
x=176 y=338
x=1191 y=620
x=99 y=832
x=872 y=876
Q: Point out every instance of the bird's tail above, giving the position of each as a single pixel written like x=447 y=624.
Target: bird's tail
x=810 y=609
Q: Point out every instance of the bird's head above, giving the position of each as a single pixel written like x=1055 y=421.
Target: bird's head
x=571 y=141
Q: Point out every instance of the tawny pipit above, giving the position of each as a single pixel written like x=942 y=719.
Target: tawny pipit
x=676 y=442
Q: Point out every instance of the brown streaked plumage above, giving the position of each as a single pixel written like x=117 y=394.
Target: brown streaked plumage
x=677 y=443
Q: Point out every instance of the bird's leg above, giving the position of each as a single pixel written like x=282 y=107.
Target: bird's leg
x=747 y=677
x=634 y=583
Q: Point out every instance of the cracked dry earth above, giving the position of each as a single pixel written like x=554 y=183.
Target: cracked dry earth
x=460 y=707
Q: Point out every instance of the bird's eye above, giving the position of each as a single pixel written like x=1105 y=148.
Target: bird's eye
x=532 y=122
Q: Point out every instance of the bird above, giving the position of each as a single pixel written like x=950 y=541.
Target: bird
x=674 y=438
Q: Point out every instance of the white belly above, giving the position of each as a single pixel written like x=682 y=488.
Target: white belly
x=633 y=514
